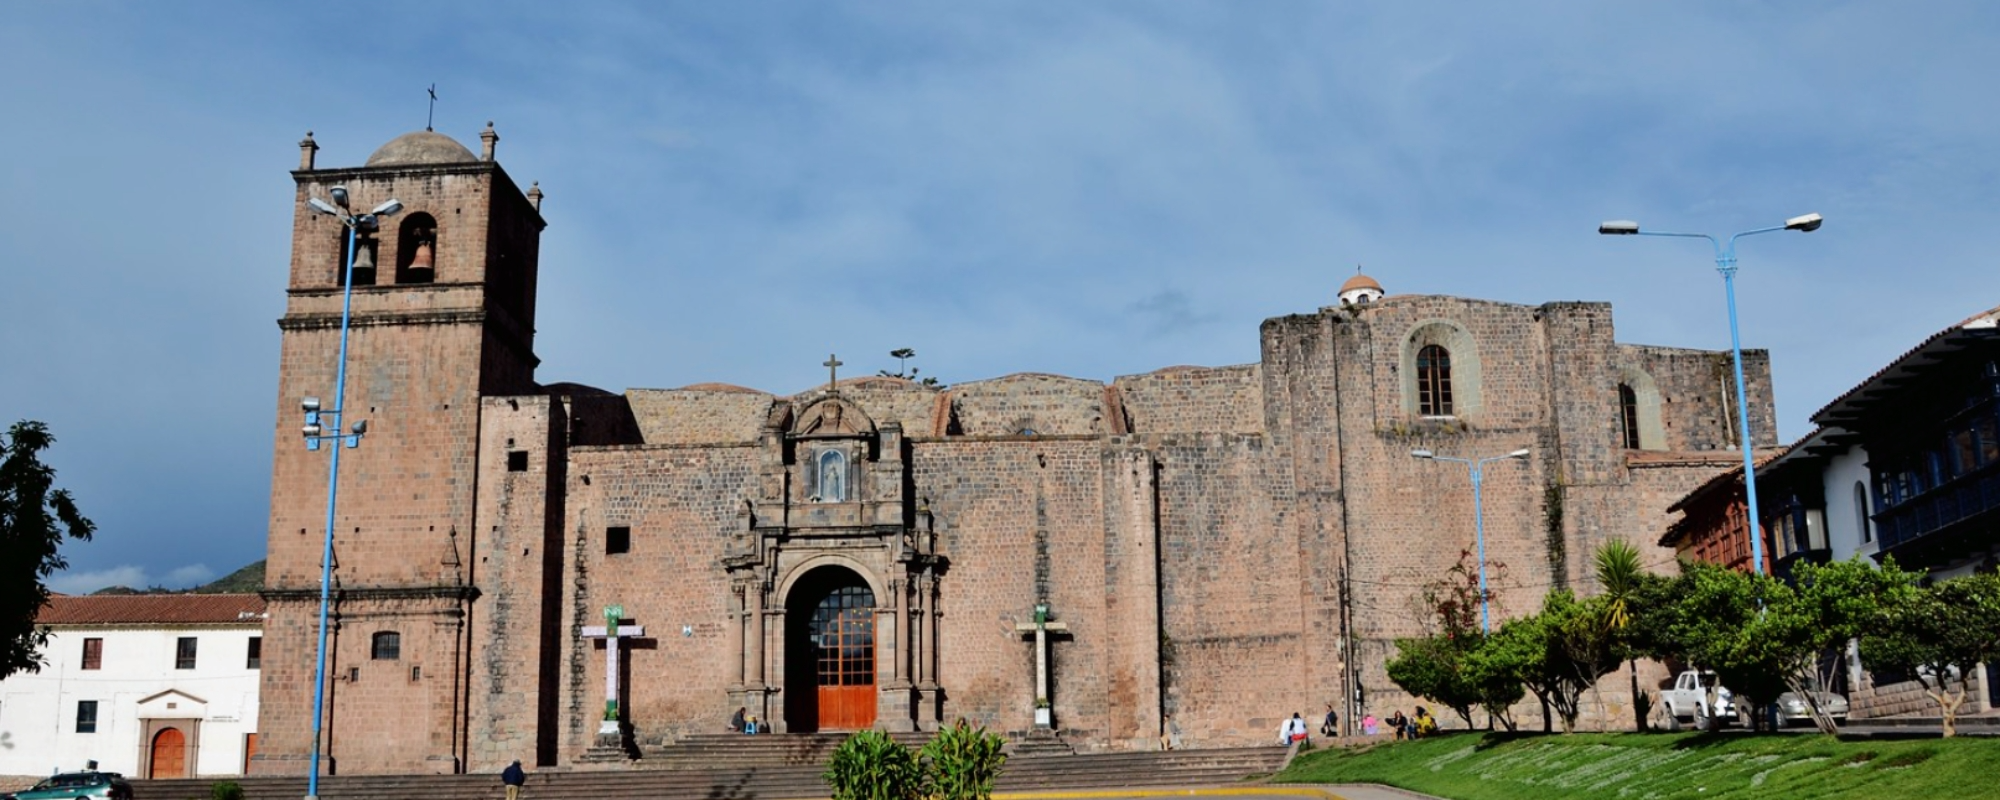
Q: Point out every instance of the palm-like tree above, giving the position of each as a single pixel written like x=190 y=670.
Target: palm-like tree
x=1619 y=572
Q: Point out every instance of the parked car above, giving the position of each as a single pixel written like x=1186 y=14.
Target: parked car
x=1792 y=708
x=1689 y=703
x=66 y=785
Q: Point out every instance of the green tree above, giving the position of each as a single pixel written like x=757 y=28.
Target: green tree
x=1516 y=655
x=1433 y=667
x=1623 y=577
x=904 y=370
x=1557 y=655
x=34 y=517
x=872 y=766
x=1712 y=627
x=1828 y=606
x=1939 y=633
x=962 y=762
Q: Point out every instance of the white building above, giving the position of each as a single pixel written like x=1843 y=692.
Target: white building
x=153 y=686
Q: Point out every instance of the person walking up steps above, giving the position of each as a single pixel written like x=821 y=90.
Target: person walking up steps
x=514 y=777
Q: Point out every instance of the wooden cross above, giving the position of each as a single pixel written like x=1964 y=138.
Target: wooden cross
x=833 y=365
x=1041 y=627
x=610 y=632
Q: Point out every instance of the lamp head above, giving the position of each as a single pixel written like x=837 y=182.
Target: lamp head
x=361 y=427
x=311 y=430
x=1420 y=453
x=310 y=404
x=367 y=223
x=1521 y=453
x=1804 y=224
x=1618 y=227
x=340 y=196
x=388 y=208
x=322 y=207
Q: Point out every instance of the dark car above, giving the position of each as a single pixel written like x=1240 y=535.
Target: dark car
x=62 y=786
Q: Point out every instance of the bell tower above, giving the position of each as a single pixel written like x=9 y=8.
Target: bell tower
x=443 y=310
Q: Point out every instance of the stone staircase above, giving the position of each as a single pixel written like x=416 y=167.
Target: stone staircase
x=728 y=776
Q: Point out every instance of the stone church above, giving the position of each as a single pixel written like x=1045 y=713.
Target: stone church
x=1039 y=554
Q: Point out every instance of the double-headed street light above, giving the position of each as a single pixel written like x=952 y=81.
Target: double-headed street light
x=1725 y=263
x=1478 y=468
x=318 y=422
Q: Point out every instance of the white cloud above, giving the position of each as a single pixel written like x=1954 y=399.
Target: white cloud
x=129 y=576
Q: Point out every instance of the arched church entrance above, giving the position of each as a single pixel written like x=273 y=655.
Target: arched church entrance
x=169 y=755
x=830 y=652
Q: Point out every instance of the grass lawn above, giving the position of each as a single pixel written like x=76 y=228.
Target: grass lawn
x=1663 y=766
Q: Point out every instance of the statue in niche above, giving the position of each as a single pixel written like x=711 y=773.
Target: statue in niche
x=832 y=477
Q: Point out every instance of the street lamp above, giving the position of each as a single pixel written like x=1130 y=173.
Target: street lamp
x=1725 y=263
x=318 y=422
x=1478 y=468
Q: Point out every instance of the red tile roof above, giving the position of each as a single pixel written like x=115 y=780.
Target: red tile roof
x=168 y=609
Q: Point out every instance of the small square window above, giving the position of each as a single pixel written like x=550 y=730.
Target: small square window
x=86 y=716
x=617 y=540
x=93 y=653
x=184 y=653
x=387 y=646
x=517 y=461
x=255 y=657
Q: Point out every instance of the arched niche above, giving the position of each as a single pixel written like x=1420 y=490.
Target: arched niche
x=1644 y=408
x=1464 y=370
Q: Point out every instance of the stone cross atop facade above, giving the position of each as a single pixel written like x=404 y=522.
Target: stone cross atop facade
x=1041 y=627
x=833 y=365
x=611 y=632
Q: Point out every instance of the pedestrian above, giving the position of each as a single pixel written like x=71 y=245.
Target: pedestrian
x=1330 y=727
x=1170 y=733
x=1369 y=727
x=736 y=720
x=1424 y=724
x=750 y=725
x=514 y=777
x=1294 y=731
x=1399 y=724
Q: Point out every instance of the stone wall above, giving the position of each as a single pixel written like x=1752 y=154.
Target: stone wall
x=1194 y=400
x=1048 y=405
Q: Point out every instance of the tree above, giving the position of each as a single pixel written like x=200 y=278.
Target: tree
x=1939 y=633
x=903 y=368
x=1433 y=667
x=1829 y=606
x=1517 y=654
x=1557 y=655
x=1712 y=627
x=34 y=517
x=1622 y=576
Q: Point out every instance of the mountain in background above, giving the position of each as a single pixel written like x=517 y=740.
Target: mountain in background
x=248 y=580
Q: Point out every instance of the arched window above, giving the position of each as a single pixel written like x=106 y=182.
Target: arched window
x=416 y=249
x=832 y=477
x=1434 y=381
x=1628 y=415
x=1861 y=522
x=387 y=646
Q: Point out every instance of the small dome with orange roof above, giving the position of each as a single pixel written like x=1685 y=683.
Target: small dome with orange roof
x=1360 y=290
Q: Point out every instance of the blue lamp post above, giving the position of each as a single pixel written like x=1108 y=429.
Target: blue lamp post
x=319 y=422
x=1478 y=469
x=1725 y=263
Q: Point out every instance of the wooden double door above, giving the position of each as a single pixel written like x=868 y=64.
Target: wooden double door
x=833 y=661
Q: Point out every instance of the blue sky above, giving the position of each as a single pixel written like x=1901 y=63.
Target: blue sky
x=1090 y=189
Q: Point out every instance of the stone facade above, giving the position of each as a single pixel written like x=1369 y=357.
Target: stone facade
x=1229 y=545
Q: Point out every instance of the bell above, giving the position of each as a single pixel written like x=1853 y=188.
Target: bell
x=364 y=257
x=421 y=259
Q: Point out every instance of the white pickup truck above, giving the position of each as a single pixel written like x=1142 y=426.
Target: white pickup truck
x=1697 y=699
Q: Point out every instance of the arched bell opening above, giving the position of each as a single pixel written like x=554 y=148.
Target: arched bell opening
x=416 y=249
x=830 y=652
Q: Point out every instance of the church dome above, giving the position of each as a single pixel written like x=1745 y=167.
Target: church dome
x=1360 y=289
x=421 y=147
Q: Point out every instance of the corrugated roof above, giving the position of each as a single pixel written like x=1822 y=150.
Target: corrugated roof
x=167 y=609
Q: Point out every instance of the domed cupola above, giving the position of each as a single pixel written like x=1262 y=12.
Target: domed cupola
x=1360 y=290
x=421 y=147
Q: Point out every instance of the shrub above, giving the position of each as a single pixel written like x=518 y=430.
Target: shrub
x=963 y=761
x=872 y=766
x=225 y=790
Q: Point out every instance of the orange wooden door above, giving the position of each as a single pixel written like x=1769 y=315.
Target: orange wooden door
x=169 y=754
x=843 y=630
